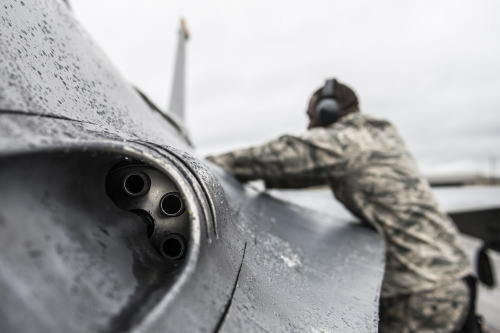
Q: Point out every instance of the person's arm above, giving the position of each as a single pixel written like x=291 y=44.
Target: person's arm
x=287 y=162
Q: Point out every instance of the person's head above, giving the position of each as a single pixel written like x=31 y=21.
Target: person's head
x=330 y=103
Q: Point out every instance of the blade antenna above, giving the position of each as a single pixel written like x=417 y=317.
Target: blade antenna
x=177 y=96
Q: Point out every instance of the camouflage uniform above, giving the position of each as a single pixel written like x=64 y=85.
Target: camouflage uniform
x=371 y=172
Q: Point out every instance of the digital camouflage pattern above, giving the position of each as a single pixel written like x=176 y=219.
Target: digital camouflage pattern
x=371 y=172
x=440 y=310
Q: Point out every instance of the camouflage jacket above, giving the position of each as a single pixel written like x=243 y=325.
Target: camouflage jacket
x=371 y=172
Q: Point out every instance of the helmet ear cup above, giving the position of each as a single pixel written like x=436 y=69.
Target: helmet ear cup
x=328 y=111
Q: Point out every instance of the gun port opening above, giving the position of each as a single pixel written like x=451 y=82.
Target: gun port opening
x=147 y=219
x=171 y=204
x=173 y=247
x=136 y=184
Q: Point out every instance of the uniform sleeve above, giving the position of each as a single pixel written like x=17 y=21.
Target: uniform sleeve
x=288 y=161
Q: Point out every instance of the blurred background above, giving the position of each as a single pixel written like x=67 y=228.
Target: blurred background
x=431 y=67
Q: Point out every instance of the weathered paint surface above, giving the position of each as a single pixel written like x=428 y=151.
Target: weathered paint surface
x=71 y=261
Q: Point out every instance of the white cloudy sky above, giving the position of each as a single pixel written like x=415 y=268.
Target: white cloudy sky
x=430 y=66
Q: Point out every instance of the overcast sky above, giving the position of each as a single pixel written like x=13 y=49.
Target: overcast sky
x=431 y=67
